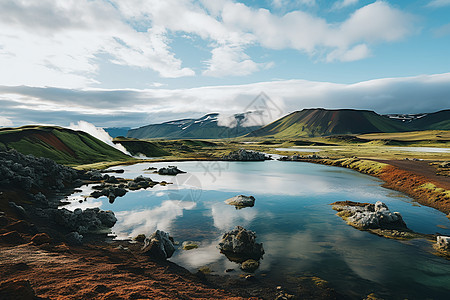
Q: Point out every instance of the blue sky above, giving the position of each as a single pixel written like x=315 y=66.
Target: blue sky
x=130 y=63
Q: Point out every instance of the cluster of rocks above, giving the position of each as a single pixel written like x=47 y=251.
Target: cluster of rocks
x=37 y=176
x=241 y=201
x=27 y=172
x=297 y=157
x=114 y=187
x=239 y=245
x=170 y=170
x=246 y=155
x=369 y=216
x=159 y=245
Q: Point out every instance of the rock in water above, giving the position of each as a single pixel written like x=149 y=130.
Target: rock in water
x=369 y=216
x=443 y=243
x=246 y=155
x=250 y=265
x=241 y=201
x=159 y=245
x=240 y=245
x=170 y=170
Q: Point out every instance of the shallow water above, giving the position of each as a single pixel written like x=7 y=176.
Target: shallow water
x=298 y=149
x=422 y=149
x=300 y=232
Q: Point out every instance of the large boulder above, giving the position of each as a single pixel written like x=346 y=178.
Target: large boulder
x=159 y=245
x=241 y=201
x=240 y=245
x=90 y=220
x=246 y=155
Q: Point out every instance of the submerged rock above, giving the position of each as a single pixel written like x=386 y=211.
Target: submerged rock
x=241 y=201
x=189 y=245
x=240 y=245
x=250 y=265
x=246 y=155
x=159 y=245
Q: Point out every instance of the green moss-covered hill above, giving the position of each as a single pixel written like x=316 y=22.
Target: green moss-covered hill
x=62 y=145
x=323 y=122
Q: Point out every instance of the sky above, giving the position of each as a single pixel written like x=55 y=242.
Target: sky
x=118 y=63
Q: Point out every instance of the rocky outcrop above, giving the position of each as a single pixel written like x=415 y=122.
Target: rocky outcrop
x=90 y=220
x=159 y=245
x=376 y=218
x=189 y=245
x=240 y=245
x=241 y=201
x=297 y=157
x=27 y=172
x=370 y=216
x=170 y=170
x=246 y=155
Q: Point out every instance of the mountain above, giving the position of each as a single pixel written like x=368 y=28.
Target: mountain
x=65 y=146
x=117 y=131
x=323 y=122
x=210 y=126
x=434 y=121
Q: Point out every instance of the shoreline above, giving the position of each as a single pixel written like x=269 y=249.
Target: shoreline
x=422 y=189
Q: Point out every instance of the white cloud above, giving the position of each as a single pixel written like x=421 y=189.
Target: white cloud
x=57 y=43
x=344 y=3
x=5 y=122
x=62 y=42
x=425 y=93
x=232 y=61
x=356 y=53
x=439 y=3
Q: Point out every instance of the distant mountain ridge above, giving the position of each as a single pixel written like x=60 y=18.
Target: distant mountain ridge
x=323 y=122
x=206 y=127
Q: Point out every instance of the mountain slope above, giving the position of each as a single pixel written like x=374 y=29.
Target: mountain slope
x=117 y=131
x=322 y=122
x=435 y=121
x=62 y=145
x=206 y=127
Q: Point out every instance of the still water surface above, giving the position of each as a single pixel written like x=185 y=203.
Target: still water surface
x=292 y=218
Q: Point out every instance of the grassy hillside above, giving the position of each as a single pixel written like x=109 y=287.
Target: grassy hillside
x=62 y=145
x=435 y=121
x=138 y=147
x=323 y=122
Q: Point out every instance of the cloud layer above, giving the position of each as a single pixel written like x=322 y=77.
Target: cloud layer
x=25 y=105
x=63 y=43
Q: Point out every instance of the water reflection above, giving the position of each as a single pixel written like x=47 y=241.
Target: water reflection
x=134 y=222
x=226 y=217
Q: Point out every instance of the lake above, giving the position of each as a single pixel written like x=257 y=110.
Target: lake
x=292 y=218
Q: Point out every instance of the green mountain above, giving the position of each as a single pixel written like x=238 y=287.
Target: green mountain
x=62 y=145
x=323 y=122
x=434 y=121
x=117 y=131
x=206 y=127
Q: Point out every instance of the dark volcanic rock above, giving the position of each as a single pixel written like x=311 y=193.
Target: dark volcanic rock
x=12 y=237
x=245 y=155
x=159 y=245
x=240 y=245
x=170 y=170
x=17 y=289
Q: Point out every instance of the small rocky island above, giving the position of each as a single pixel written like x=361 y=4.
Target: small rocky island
x=239 y=245
x=241 y=201
x=246 y=155
x=376 y=218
